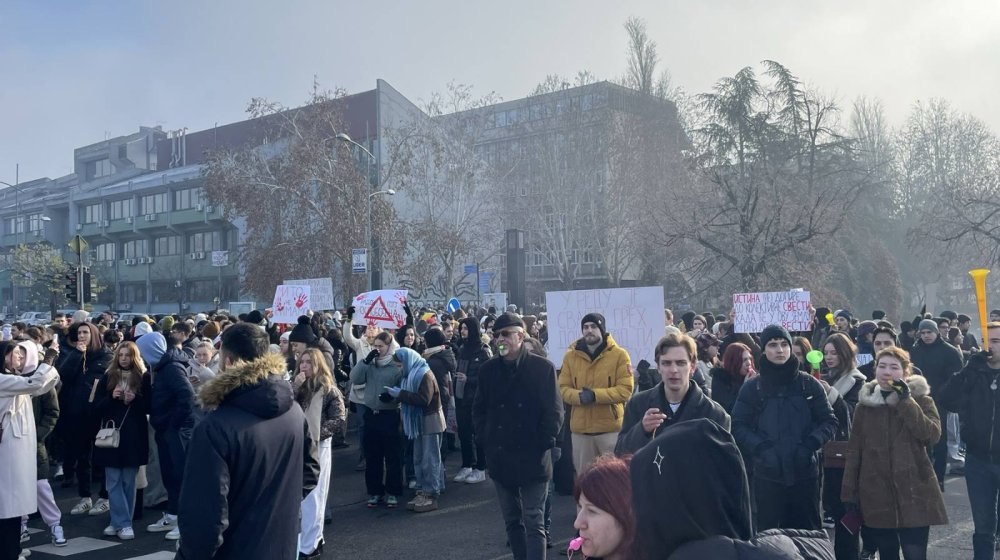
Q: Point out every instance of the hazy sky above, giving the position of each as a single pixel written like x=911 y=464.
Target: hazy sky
x=72 y=72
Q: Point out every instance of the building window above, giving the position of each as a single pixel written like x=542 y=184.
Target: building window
x=134 y=292
x=35 y=222
x=202 y=290
x=169 y=245
x=154 y=203
x=99 y=168
x=121 y=209
x=164 y=292
x=185 y=199
x=134 y=249
x=91 y=214
x=13 y=225
x=104 y=252
x=205 y=241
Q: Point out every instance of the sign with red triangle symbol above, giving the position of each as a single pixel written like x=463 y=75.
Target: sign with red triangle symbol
x=378 y=311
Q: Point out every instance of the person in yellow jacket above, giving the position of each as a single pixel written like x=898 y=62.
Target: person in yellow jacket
x=596 y=381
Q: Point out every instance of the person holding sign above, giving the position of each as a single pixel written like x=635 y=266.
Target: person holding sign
x=596 y=381
x=674 y=399
x=781 y=420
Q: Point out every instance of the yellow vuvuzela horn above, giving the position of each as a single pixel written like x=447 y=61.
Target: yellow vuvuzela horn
x=979 y=279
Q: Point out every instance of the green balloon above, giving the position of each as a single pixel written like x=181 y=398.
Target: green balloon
x=815 y=357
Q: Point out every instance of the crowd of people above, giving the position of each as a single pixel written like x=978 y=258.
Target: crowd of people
x=741 y=443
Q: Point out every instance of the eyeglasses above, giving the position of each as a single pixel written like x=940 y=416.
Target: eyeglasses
x=506 y=333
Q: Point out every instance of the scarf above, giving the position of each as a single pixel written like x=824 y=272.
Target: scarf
x=414 y=368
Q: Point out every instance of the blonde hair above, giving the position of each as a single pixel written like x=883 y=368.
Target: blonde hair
x=899 y=354
x=322 y=375
x=135 y=373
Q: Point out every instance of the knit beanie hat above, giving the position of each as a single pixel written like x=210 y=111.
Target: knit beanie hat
x=866 y=327
x=928 y=325
x=845 y=314
x=166 y=323
x=771 y=332
x=152 y=347
x=210 y=330
x=303 y=332
x=255 y=317
x=597 y=319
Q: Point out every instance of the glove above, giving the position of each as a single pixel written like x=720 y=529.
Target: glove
x=385 y=397
x=393 y=391
x=350 y=312
x=556 y=454
x=370 y=357
x=587 y=396
x=409 y=312
x=901 y=388
x=643 y=365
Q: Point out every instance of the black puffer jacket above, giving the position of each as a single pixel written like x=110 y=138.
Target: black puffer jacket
x=974 y=394
x=725 y=389
x=775 y=544
x=250 y=463
x=938 y=360
x=471 y=358
x=781 y=420
x=172 y=406
x=444 y=365
x=517 y=415
x=133 y=446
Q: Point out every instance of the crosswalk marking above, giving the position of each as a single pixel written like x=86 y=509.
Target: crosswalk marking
x=162 y=555
x=78 y=545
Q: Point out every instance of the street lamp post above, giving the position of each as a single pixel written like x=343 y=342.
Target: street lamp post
x=371 y=195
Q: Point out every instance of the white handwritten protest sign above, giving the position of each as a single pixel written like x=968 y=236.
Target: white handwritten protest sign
x=290 y=301
x=320 y=292
x=380 y=308
x=634 y=316
x=756 y=310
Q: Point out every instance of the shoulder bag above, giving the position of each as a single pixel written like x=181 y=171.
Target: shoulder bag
x=109 y=435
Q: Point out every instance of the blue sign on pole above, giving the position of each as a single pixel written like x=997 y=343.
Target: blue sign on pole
x=471 y=268
x=485 y=279
x=453 y=305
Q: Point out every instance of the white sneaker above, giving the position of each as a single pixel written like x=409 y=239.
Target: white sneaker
x=126 y=533
x=476 y=477
x=166 y=523
x=462 y=474
x=110 y=531
x=82 y=507
x=58 y=538
x=101 y=506
x=174 y=534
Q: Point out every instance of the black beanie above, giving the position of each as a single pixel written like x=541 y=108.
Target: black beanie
x=434 y=337
x=771 y=332
x=597 y=319
x=303 y=332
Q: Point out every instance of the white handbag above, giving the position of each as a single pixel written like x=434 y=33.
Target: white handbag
x=109 y=436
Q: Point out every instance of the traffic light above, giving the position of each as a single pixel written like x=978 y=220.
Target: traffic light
x=87 y=287
x=71 y=285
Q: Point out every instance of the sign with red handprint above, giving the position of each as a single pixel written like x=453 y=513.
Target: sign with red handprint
x=290 y=301
x=381 y=308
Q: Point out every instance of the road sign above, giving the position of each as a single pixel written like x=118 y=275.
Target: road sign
x=78 y=244
x=471 y=269
x=453 y=305
x=359 y=261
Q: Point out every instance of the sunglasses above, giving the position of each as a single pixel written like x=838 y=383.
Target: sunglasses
x=506 y=333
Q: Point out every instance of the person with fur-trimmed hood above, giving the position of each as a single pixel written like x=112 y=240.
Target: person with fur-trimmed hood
x=888 y=477
x=252 y=459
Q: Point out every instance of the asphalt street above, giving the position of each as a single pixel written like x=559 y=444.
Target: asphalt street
x=467 y=526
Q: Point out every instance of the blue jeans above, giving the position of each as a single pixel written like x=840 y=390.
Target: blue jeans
x=121 y=494
x=523 y=515
x=983 y=481
x=427 y=463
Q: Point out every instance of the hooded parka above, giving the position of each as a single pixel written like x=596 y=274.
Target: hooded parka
x=608 y=375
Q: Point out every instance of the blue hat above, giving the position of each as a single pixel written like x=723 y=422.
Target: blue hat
x=152 y=347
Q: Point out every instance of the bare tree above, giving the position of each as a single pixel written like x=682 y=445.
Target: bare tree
x=642 y=57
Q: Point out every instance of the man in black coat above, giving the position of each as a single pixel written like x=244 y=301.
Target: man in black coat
x=252 y=459
x=939 y=361
x=518 y=413
x=781 y=420
x=674 y=399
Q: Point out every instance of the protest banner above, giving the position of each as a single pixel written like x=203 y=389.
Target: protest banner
x=320 y=293
x=497 y=300
x=380 y=308
x=290 y=301
x=756 y=310
x=634 y=317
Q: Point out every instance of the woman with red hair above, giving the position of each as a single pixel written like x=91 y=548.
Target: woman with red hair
x=737 y=367
x=604 y=520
